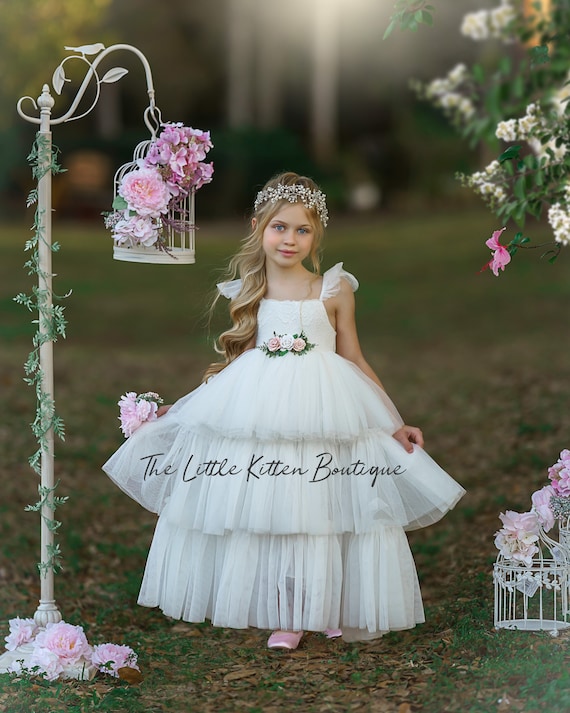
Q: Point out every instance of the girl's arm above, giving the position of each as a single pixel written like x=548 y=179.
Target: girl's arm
x=348 y=346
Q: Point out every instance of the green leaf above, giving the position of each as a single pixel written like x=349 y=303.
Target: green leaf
x=505 y=65
x=539 y=55
x=511 y=153
x=517 y=86
x=119 y=203
x=478 y=73
x=391 y=27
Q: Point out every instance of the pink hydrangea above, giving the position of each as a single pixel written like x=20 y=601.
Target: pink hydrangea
x=145 y=192
x=66 y=641
x=516 y=539
x=134 y=411
x=204 y=173
x=109 y=658
x=22 y=631
x=178 y=154
x=541 y=505
x=559 y=474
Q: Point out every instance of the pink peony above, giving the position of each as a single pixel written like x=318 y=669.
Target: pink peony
x=274 y=344
x=541 y=505
x=22 y=631
x=501 y=256
x=516 y=539
x=66 y=641
x=109 y=658
x=299 y=344
x=48 y=662
x=136 y=230
x=145 y=192
x=134 y=411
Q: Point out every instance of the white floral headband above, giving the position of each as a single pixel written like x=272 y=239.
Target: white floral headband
x=309 y=198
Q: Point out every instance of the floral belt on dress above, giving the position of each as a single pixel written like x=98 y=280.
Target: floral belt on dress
x=282 y=344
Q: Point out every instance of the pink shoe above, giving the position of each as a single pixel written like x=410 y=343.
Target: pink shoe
x=284 y=640
x=333 y=633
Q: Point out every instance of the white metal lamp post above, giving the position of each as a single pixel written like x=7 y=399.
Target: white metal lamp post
x=47 y=611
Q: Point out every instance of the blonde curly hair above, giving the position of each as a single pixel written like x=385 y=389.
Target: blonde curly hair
x=249 y=265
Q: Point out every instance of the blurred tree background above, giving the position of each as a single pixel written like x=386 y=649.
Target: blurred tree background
x=306 y=85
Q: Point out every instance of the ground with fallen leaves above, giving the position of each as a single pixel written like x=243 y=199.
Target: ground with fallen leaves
x=481 y=364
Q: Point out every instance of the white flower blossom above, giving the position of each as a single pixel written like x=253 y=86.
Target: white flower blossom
x=475 y=25
x=466 y=108
x=500 y=18
x=486 y=24
x=507 y=130
x=457 y=75
x=559 y=220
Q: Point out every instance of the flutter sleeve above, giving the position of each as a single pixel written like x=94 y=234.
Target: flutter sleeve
x=229 y=289
x=332 y=278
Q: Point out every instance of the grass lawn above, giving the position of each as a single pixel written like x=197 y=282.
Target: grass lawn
x=480 y=364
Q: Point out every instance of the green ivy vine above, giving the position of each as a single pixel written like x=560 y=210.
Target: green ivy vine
x=51 y=324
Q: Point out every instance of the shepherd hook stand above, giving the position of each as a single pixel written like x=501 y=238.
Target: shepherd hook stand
x=47 y=610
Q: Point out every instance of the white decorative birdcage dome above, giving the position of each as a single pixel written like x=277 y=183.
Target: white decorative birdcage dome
x=166 y=236
x=533 y=597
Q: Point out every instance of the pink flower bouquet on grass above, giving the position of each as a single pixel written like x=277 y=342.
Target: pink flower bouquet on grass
x=62 y=647
x=136 y=409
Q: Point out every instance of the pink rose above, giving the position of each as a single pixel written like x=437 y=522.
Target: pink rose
x=109 y=658
x=287 y=342
x=145 y=192
x=66 y=641
x=299 y=344
x=274 y=344
x=541 y=504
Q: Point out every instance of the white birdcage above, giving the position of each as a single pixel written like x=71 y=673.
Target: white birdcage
x=535 y=597
x=178 y=229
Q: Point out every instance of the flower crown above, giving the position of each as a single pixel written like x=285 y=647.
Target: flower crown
x=309 y=198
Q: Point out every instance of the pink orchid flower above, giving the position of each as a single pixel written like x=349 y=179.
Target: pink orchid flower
x=501 y=256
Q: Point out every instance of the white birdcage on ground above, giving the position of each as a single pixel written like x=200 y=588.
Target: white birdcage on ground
x=535 y=597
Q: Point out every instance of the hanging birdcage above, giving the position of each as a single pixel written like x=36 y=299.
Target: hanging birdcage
x=163 y=233
x=534 y=597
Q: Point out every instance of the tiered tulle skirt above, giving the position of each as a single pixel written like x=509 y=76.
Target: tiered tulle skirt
x=283 y=500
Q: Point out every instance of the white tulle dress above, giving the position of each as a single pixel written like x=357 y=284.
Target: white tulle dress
x=282 y=496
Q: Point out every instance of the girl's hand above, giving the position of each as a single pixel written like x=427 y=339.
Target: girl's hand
x=163 y=409
x=407 y=435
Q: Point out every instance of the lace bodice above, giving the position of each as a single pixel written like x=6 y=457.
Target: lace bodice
x=290 y=317
x=281 y=317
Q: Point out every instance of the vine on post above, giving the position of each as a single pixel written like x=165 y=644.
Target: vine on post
x=51 y=324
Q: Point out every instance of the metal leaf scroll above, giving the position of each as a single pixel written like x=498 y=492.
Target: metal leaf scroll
x=113 y=75
x=59 y=79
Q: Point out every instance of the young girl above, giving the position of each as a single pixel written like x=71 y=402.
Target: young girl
x=285 y=481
